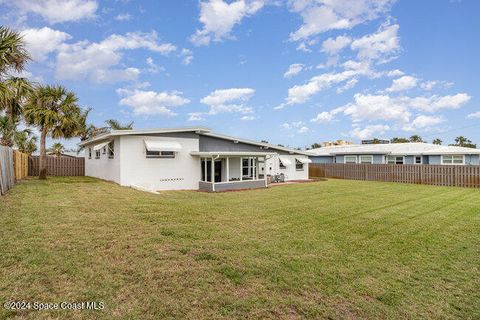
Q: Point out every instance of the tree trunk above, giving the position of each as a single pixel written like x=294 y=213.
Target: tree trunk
x=43 y=155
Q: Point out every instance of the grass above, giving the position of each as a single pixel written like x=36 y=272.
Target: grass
x=333 y=249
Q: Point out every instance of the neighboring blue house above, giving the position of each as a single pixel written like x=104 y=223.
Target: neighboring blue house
x=397 y=153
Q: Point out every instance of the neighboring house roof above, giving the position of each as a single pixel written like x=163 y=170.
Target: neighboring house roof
x=199 y=130
x=412 y=148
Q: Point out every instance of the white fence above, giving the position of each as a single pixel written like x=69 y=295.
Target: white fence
x=7 y=173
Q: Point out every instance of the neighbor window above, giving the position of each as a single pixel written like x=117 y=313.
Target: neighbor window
x=89 y=153
x=350 y=159
x=97 y=154
x=111 y=150
x=282 y=165
x=366 y=159
x=160 y=154
x=395 y=159
x=453 y=159
x=418 y=159
x=298 y=165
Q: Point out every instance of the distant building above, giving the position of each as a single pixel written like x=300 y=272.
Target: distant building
x=336 y=143
x=376 y=141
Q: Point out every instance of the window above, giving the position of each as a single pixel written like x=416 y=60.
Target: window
x=97 y=154
x=160 y=154
x=89 y=153
x=104 y=150
x=249 y=168
x=418 y=159
x=111 y=150
x=453 y=159
x=282 y=165
x=350 y=159
x=395 y=159
x=366 y=159
x=298 y=165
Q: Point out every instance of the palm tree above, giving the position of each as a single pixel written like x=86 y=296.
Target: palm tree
x=461 y=140
x=116 y=125
x=399 y=140
x=416 y=138
x=57 y=149
x=13 y=55
x=7 y=130
x=25 y=142
x=437 y=141
x=55 y=111
x=13 y=99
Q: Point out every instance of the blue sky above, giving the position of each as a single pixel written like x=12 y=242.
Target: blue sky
x=290 y=72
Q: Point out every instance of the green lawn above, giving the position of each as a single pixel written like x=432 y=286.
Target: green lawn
x=337 y=249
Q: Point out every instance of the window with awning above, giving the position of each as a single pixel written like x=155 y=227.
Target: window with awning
x=100 y=145
x=284 y=162
x=161 y=148
x=304 y=160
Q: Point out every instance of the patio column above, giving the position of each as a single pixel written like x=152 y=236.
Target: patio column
x=212 y=174
x=241 y=168
x=227 y=168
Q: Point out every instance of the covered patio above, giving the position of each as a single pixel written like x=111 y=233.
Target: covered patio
x=221 y=171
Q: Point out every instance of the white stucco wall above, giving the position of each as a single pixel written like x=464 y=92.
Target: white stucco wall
x=179 y=173
x=291 y=173
x=103 y=168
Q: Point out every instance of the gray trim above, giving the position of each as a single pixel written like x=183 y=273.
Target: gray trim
x=237 y=185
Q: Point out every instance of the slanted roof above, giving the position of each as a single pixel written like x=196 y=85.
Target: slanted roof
x=199 y=130
x=411 y=148
x=265 y=146
x=113 y=133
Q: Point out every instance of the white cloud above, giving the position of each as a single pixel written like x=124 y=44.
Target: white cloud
x=435 y=103
x=293 y=70
x=219 y=17
x=474 y=115
x=382 y=45
x=247 y=118
x=395 y=73
x=195 y=116
x=403 y=83
x=55 y=11
x=323 y=117
x=376 y=107
x=369 y=131
x=41 y=42
x=303 y=129
x=123 y=17
x=229 y=100
x=367 y=107
x=302 y=93
x=299 y=126
x=187 y=56
x=349 y=85
x=151 y=102
x=423 y=122
x=96 y=61
x=153 y=67
x=333 y=46
x=323 y=15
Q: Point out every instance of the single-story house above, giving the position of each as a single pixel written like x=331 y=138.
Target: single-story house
x=189 y=159
x=397 y=153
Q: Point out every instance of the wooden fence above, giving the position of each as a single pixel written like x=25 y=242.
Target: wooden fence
x=7 y=177
x=440 y=175
x=20 y=165
x=58 y=166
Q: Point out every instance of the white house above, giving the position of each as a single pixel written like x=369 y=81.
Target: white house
x=188 y=159
x=397 y=153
